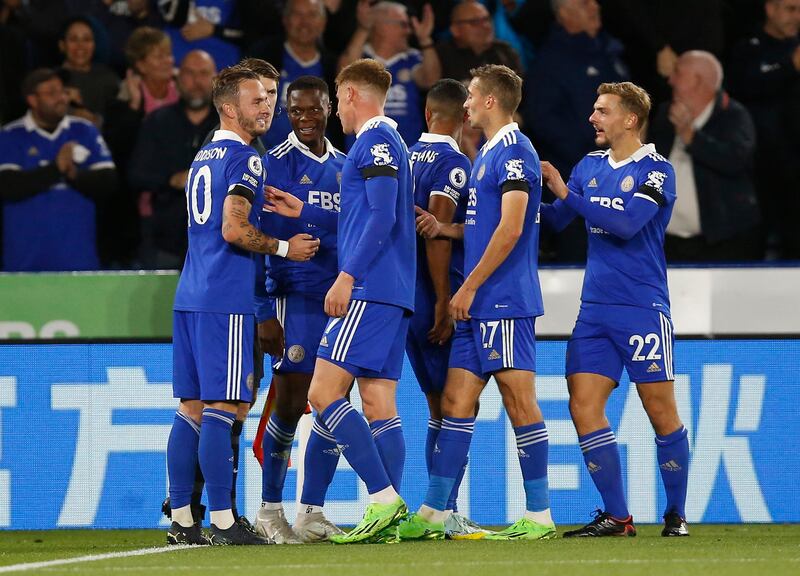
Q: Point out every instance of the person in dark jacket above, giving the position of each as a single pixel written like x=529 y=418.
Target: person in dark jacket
x=762 y=71
x=709 y=139
x=560 y=93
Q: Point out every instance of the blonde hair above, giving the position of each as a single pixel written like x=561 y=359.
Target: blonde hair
x=633 y=98
x=502 y=83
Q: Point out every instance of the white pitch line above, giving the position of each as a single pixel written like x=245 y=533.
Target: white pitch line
x=91 y=558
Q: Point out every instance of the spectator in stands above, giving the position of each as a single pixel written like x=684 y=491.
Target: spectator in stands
x=14 y=63
x=91 y=86
x=473 y=43
x=709 y=139
x=762 y=72
x=168 y=141
x=382 y=34
x=299 y=53
x=53 y=168
x=560 y=93
x=119 y=18
x=149 y=85
x=210 y=25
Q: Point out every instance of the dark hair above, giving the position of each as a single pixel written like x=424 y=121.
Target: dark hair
x=366 y=72
x=502 y=83
x=225 y=87
x=40 y=76
x=70 y=22
x=308 y=83
x=447 y=97
x=261 y=68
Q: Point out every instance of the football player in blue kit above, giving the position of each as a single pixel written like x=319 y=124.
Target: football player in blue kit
x=214 y=308
x=440 y=172
x=307 y=166
x=496 y=308
x=626 y=194
x=371 y=299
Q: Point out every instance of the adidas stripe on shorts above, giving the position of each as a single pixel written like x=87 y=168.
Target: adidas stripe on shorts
x=369 y=341
x=212 y=356
x=607 y=338
x=485 y=346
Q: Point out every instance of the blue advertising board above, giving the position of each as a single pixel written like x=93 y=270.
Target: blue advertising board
x=83 y=430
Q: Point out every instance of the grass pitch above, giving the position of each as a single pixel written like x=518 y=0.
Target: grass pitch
x=760 y=550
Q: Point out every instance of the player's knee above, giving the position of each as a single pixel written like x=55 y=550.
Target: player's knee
x=193 y=409
x=456 y=406
x=582 y=409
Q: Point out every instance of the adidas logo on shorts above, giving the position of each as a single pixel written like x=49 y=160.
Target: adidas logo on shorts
x=653 y=368
x=494 y=355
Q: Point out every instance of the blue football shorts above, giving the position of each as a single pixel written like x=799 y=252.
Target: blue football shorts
x=212 y=356
x=607 y=338
x=303 y=319
x=486 y=346
x=368 y=342
x=428 y=361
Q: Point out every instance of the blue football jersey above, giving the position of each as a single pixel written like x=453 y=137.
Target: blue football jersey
x=404 y=100
x=513 y=290
x=389 y=279
x=53 y=230
x=291 y=69
x=219 y=13
x=315 y=180
x=217 y=276
x=631 y=272
x=440 y=168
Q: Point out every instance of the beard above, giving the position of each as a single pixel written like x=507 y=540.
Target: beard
x=250 y=125
x=197 y=102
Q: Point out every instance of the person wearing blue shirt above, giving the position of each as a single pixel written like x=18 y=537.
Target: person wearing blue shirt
x=371 y=299
x=307 y=166
x=626 y=194
x=54 y=169
x=214 y=307
x=382 y=35
x=496 y=308
x=440 y=173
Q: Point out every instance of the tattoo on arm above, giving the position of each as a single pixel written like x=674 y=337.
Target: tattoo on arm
x=237 y=230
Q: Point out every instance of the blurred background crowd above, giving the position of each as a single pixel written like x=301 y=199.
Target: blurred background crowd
x=104 y=103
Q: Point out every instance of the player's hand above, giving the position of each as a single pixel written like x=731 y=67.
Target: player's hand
x=337 y=299
x=461 y=303
x=554 y=181
x=302 y=247
x=270 y=336
x=442 y=324
x=282 y=202
x=423 y=28
x=65 y=162
x=427 y=225
x=197 y=30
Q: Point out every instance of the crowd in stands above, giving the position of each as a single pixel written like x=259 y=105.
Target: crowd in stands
x=104 y=103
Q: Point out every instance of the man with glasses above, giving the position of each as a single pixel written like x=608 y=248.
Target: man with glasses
x=382 y=35
x=53 y=170
x=473 y=43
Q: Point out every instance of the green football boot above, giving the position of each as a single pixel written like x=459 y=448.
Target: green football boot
x=415 y=527
x=525 y=529
x=376 y=518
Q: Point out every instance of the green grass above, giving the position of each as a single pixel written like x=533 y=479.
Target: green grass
x=754 y=550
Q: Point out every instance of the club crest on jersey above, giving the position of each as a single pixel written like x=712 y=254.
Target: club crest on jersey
x=458 y=177
x=481 y=171
x=254 y=164
x=380 y=155
x=514 y=169
x=296 y=353
x=627 y=184
x=655 y=179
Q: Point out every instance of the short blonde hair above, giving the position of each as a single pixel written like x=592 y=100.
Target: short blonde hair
x=502 y=83
x=366 y=72
x=633 y=98
x=225 y=87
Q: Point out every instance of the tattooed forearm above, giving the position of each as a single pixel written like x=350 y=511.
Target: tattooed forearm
x=237 y=230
